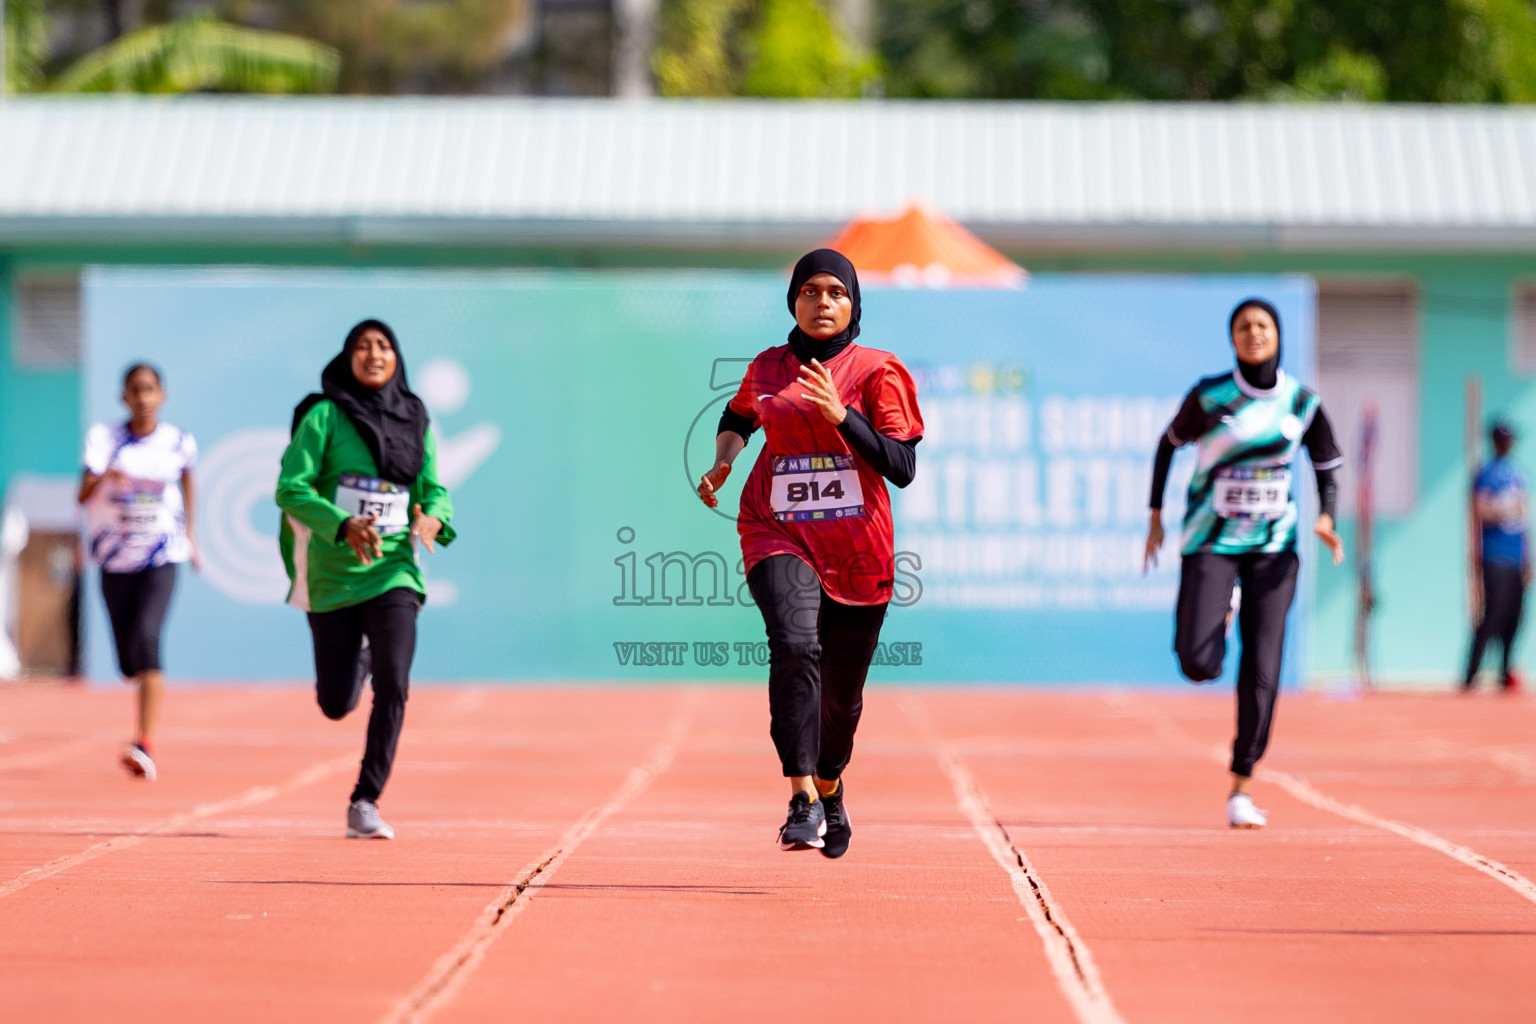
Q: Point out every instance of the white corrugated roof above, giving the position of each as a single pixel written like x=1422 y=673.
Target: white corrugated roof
x=722 y=172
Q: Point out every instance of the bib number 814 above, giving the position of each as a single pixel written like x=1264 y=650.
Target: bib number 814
x=812 y=491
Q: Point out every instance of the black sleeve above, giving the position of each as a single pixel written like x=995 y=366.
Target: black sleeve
x=892 y=459
x=1187 y=425
x=1160 y=464
x=1320 y=444
x=1327 y=492
x=736 y=423
x=1191 y=421
x=1326 y=458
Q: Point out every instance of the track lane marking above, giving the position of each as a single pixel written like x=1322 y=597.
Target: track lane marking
x=454 y=967
x=249 y=798
x=466 y=702
x=1304 y=791
x=1069 y=957
x=242 y=705
x=53 y=755
x=1308 y=794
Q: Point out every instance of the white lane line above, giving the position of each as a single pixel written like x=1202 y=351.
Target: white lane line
x=1522 y=765
x=1068 y=955
x=250 y=798
x=451 y=970
x=1303 y=791
x=53 y=755
x=1308 y=794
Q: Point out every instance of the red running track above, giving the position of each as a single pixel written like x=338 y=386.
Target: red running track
x=590 y=854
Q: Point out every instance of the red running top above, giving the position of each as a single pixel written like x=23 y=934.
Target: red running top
x=809 y=495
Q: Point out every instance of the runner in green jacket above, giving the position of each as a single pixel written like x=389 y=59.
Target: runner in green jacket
x=358 y=488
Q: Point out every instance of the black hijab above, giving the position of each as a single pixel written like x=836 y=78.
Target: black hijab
x=1263 y=375
x=823 y=261
x=391 y=419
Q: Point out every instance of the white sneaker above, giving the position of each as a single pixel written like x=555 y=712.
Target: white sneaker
x=1242 y=814
x=363 y=822
x=138 y=762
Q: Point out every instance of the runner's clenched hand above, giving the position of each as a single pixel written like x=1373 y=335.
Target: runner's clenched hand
x=711 y=482
x=1329 y=536
x=363 y=539
x=425 y=528
x=821 y=392
x=1154 y=541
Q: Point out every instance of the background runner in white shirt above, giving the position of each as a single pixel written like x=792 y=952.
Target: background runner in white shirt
x=137 y=490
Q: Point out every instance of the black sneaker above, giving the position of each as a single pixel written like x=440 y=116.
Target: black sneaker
x=806 y=824
x=839 y=829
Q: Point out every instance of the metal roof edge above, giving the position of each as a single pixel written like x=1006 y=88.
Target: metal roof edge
x=483 y=232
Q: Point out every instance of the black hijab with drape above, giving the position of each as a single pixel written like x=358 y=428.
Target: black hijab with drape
x=391 y=420
x=823 y=261
x=1266 y=374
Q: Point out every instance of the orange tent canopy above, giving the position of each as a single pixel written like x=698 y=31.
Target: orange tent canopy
x=924 y=249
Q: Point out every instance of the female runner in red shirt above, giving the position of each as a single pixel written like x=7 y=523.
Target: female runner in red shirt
x=815 y=526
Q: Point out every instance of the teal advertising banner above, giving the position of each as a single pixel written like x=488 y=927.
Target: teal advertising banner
x=574 y=412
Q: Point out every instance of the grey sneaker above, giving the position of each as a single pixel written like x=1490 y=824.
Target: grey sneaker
x=363 y=822
x=806 y=824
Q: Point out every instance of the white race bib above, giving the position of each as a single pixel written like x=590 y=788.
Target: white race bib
x=815 y=487
x=142 y=513
x=370 y=496
x=1245 y=492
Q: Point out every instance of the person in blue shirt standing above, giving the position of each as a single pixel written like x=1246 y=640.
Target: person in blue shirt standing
x=1500 y=507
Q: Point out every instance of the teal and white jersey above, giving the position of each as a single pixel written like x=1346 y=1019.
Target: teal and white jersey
x=1242 y=497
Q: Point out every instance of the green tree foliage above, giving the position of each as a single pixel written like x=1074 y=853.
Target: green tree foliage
x=798 y=51
x=203 y=54
x=26 y=44
x=782 y=48
x=698 y=51
x=407 y=45
x=1406 y=50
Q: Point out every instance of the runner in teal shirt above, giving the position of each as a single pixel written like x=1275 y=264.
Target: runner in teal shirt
x=1240 y=525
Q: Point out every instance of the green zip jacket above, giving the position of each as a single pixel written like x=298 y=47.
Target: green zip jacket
x=325 y=571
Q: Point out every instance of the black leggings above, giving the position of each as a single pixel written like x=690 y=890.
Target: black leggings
x=1503 y=601
x=136 y=604
x=818 y=657
x=1200 y=635
x=389 y=622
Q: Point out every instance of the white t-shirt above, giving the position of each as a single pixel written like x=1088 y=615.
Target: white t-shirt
x=143 y=524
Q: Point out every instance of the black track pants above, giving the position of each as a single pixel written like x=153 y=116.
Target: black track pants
x=389 y=622
x=1503 y=602
x=1200 y=635
x=136 y=604
x=818 y=657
